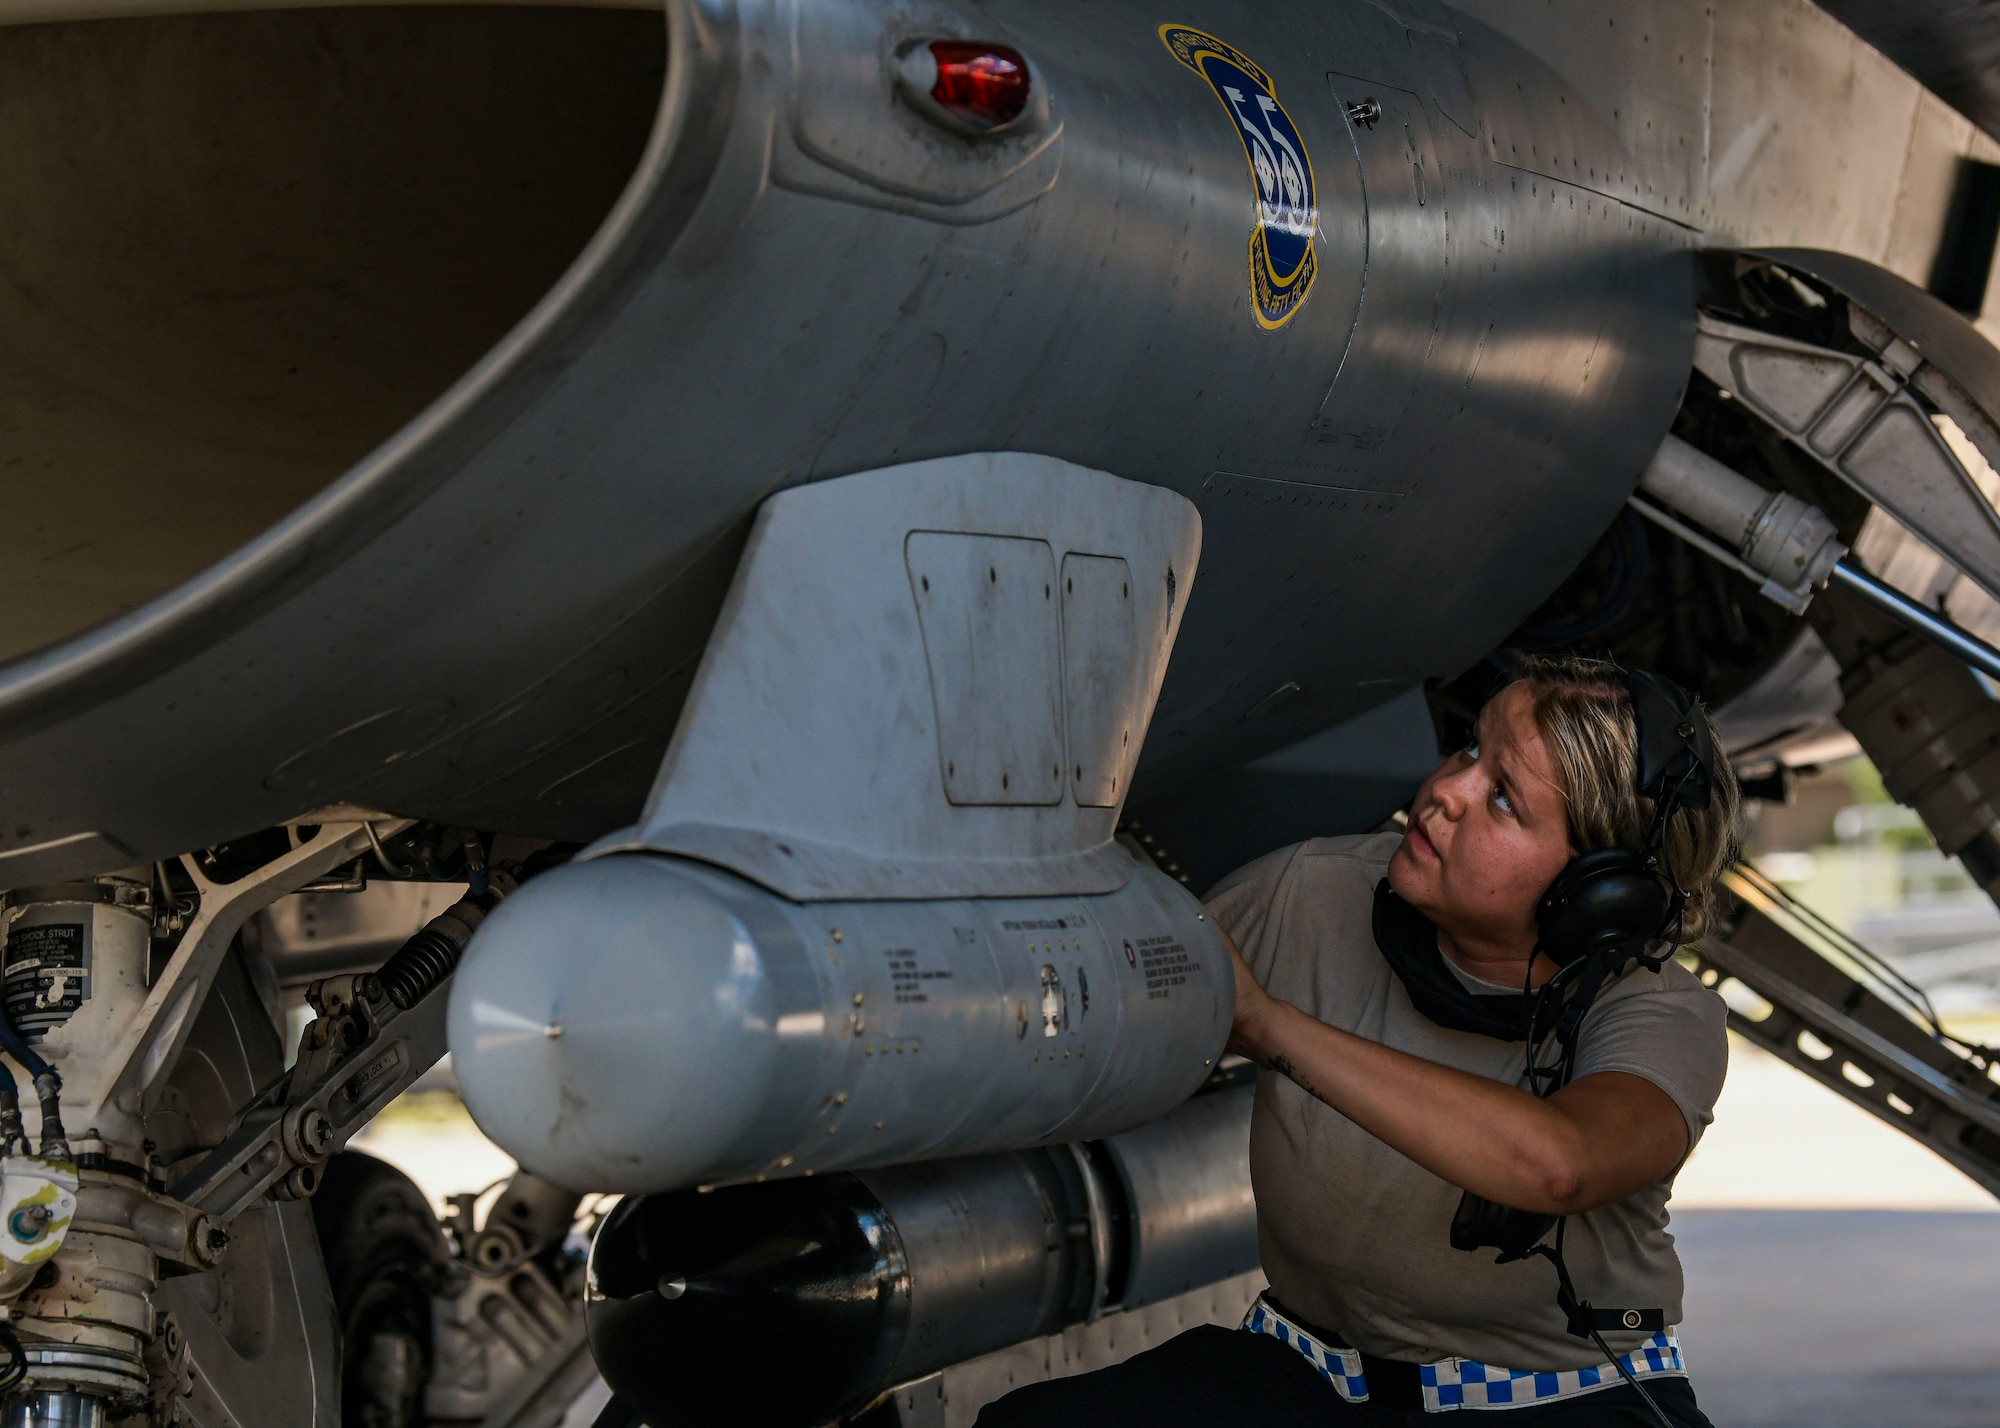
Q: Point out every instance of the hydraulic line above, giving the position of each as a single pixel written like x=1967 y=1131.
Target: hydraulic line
x=1877 y=969
x=1688 y=483
x=48 y=1092
x=30 y=1060
x=13 y=1139
x=1937 y=628
x=55 y=1140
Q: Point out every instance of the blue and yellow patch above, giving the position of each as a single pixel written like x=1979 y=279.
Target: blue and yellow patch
x=1282 y=263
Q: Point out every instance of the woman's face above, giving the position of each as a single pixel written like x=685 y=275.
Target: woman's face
x=1488 y=833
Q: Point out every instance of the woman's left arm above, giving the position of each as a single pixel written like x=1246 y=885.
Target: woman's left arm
x=1597 y=1140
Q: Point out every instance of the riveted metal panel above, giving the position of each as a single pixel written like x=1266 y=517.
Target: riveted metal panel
x=992 y=644
x=1102 y=650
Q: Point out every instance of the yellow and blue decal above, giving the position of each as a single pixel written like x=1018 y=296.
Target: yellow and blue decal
x=1282 y=263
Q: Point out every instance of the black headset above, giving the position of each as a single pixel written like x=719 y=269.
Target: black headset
x=1624 y=899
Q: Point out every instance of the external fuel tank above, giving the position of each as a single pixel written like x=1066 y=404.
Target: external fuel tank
x=876 y=1278
x=641 y=1023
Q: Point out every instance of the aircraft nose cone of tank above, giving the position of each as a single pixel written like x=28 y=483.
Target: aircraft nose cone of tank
x=610 y=1026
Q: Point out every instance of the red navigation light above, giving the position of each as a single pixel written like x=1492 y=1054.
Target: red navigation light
x=982 y=86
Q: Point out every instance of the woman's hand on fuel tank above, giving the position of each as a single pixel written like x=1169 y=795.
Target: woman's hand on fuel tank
x=1253 y=1004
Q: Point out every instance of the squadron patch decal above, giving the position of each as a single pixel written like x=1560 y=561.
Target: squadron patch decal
x=1282 y=263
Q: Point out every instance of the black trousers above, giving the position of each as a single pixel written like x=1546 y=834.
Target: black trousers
x=1214 y=1377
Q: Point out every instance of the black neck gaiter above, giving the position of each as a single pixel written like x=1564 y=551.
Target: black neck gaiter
x=1409 y=943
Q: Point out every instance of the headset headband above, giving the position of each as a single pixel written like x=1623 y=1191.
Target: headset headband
x=1676 y=757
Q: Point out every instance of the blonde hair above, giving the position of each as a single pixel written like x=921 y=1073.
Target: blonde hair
x=1584 y=713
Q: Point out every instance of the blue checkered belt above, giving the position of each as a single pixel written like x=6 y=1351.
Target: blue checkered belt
x=1451 y=1384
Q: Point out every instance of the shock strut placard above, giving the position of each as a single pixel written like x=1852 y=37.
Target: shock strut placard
x=47 y=973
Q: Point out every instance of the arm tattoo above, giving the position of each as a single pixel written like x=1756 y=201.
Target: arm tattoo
x=1283 y=1066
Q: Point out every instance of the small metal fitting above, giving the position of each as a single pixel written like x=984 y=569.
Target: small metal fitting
x=308 y=1134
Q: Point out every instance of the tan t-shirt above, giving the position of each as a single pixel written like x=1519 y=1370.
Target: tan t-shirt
x=1354 y=1236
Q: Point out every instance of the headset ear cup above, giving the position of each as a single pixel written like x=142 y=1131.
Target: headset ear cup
x=1610 y=897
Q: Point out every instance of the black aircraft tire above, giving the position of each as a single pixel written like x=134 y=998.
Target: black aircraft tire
x=384 y=1256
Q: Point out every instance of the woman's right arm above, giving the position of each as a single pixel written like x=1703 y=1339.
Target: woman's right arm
x=1596 y=1141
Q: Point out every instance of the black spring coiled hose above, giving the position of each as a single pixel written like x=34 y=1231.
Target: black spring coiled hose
x=420 y=965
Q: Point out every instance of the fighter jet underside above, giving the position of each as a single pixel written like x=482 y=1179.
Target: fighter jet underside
x=740 y=565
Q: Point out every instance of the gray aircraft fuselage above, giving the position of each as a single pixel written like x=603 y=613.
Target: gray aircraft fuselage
x=492 y=618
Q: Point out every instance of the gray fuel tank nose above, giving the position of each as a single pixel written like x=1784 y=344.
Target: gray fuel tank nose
x=616 y=1013
x=644 y=1023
